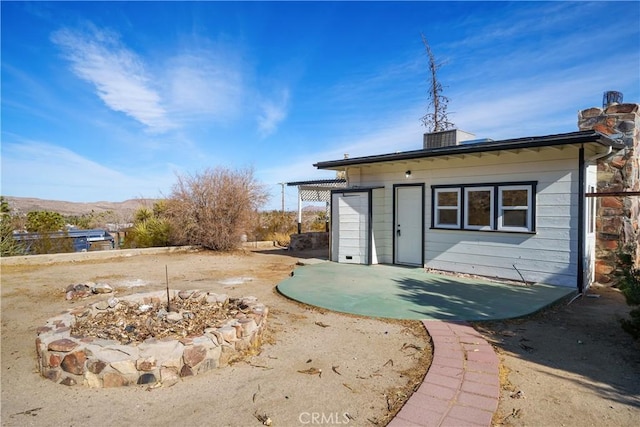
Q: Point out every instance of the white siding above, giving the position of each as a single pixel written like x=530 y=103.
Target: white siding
x=548 y=256
x=351 y=234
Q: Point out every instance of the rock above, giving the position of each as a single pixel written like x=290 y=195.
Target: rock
x=248 y=326
x=185 y=294
x=54 y=360
x=102 y=288
x=113 y=301
x=146 y=364
x=228 y=333
x=125 y=367
x=186 y=371
x=95 y=366
x=64 y=345
x=111 y=379
x=42 y=329
x=169 y=376
x=193 y=355
x=82 y=287
x=74 y=362
x=174 y=317
x=52 y=374
x=147 y=379
x=92 y=380
x=68 y=381
x=166 y=353
x=102 y=305
x=145 y=307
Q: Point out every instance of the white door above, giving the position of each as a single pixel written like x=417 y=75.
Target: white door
x=350 y=231
x=409 y=225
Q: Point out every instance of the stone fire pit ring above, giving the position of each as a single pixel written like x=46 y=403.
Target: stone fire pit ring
x=97 y=362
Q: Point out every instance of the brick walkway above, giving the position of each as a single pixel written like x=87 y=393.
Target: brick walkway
x=462 y=386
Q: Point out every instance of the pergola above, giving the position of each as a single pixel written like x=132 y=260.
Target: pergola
x=316 y=191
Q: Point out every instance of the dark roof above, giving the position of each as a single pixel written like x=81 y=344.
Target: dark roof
x=588 y=136
x=318 y=182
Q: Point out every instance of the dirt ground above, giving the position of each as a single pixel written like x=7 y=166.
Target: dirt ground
x=367 y=370
x=570 y=365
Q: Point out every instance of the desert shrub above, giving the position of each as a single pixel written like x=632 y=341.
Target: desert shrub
x=281 y=239
x=629 y=284
x=274 y=223
x=150 y=229
x=51 y=243
x=214 y=208
x=153 y=232
x=44 y=221
x=8 y=245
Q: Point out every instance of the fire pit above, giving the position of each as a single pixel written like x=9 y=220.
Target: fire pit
x=140 y=339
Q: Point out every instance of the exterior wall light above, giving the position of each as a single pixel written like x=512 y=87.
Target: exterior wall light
x=407 y=174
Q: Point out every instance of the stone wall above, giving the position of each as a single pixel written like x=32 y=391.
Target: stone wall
x=311 y=240
x=617 y=216
x=97 y=363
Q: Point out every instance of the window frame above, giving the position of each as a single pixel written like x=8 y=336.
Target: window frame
x=437 y=208
x=502 y=208
x=496 y=216
x=491 y=191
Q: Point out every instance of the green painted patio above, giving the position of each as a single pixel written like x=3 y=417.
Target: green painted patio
x=397 y=292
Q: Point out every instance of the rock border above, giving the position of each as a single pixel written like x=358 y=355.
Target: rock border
x=98 y=363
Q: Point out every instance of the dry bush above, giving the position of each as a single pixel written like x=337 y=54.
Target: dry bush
x=214 y=208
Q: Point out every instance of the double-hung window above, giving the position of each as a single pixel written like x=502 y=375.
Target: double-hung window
x=478 y=208
x=514 y=207
x=447 y=212
x=508 y=207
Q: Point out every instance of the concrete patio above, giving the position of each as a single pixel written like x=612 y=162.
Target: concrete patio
x=411 y=293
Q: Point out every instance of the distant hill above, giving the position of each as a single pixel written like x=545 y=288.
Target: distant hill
x=23 y=205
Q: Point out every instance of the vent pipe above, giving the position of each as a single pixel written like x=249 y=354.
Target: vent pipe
x=611 y=97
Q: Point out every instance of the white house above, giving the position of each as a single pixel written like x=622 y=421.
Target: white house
x=513 y=209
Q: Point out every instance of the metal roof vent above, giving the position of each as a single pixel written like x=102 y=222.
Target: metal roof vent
x=445 y=138
x=611 y=97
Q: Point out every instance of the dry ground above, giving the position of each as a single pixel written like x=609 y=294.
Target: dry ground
x=358 y=385
x=570 y=365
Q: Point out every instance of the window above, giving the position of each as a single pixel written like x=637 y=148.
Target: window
x=514 y=207
x=478 y=208
x=447 y=210
x=508 y=207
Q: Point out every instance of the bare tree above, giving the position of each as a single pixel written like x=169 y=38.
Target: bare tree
x=214 y=208
x=436 y=119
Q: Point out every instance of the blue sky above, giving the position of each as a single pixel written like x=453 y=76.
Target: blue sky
x=110 y=100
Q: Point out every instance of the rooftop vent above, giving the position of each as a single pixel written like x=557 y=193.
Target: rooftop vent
x=611 y=97
x=445 y=138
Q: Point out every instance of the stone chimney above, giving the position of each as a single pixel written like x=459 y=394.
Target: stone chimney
x=618 y=215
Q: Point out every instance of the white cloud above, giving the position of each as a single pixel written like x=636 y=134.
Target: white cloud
x=272 y=113
x=117 y=73
x=42 y=170
x=205 y=83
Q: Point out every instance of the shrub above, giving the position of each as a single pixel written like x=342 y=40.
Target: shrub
x=215 y=208
x=629 y=284
x=150 y=229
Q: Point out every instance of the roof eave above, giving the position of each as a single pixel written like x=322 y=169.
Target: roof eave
x=510 y=144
